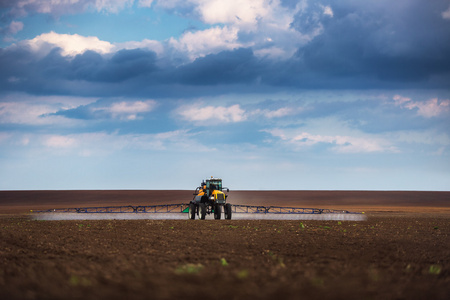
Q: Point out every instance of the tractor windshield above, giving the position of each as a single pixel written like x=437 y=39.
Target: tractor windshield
x=214 y=185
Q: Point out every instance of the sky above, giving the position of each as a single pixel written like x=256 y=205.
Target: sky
x=267 y=95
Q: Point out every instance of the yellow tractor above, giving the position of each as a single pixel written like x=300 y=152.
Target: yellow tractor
x=209 y=198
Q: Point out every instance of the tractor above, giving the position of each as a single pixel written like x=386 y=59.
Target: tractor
x=209 y=198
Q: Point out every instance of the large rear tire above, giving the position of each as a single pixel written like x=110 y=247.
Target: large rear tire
x=217 y=211
x=228 y=211
x=202 y=211
x=192 y=211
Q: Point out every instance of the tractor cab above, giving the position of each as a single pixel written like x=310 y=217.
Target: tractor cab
x=212 y=185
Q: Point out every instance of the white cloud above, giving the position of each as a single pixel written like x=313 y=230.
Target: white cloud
x=241 y=12
x=28 y=114
x=58 y=141
x=71 y=44
x=101 y=143
x=446 y=14
x=111 y=5
x=430 y=108
x=145 y=3
x=201 y=43
x=399 y=100
x=213 y=114
x=268 y=21
x=128 y=110
x=32 y=110
x=341 y=144
x=279 y=113
x=328 y=11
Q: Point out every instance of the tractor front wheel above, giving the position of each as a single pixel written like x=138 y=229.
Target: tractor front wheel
x=227 y=209
x=217 y=211
x=202 y=211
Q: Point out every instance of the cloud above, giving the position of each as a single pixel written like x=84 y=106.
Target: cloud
x=103 y=143
x=83 y=73
x=281 y=112
x=328 y=11
x=212 y=114
x=428 y=109
x=57 y=141
x=275 y=113
x=20 y=8
x=107 y=109
x=70 y=44
x=446 y=14
x=262 y=26
x=243 y=13
x=128 y=110
x=297 y=46
x=201 y=43
x=338 y=143
x=10 y=30
x=238 y=66
x=154 y=46
x=145 y=3
x=383 y=43
x=29 y=113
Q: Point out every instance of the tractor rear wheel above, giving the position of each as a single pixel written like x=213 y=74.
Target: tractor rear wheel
x=192 y=211
x=227 y=209
x=202 y=211
x=217 y=211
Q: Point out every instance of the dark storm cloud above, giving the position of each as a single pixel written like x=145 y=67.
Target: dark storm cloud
x=124 y=65
x=238 y=66
x=23 y=70
x=376 y=44
x=402 y=41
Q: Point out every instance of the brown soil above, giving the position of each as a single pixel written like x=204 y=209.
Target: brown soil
x=401 y=252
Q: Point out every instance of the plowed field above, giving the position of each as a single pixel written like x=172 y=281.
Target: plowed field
x=396 y=254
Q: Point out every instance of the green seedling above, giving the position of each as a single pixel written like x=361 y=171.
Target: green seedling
x=302 y=226
x=435 y=227
x=435 y=269
x=189 y=269
x=79 y=281
x=243 y=274
x=223 y=262
x=234 y=227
